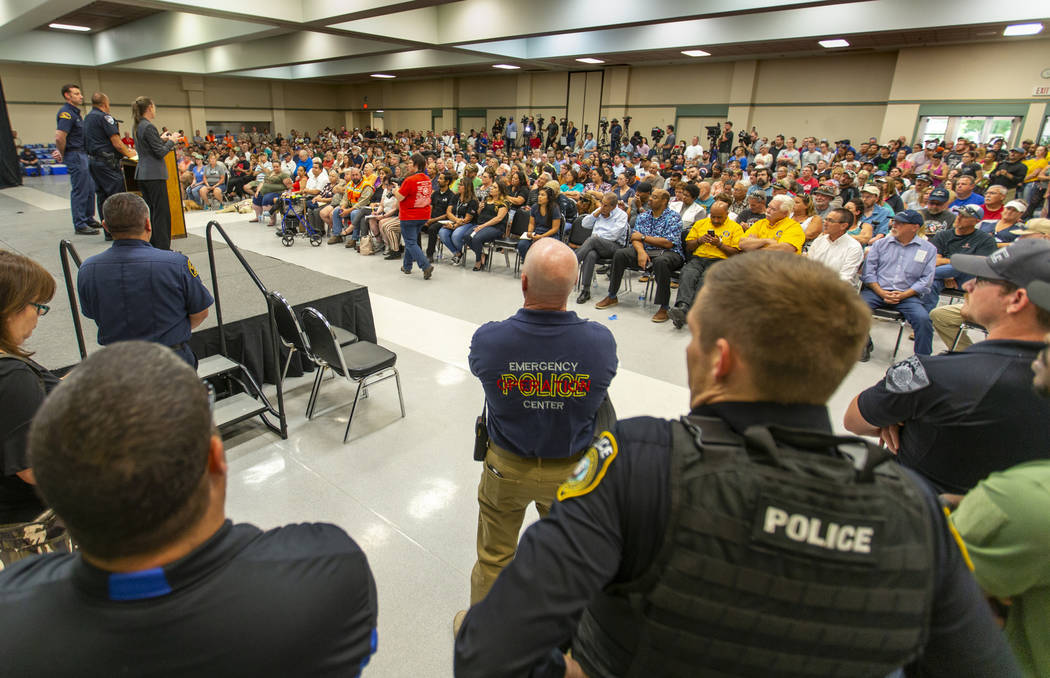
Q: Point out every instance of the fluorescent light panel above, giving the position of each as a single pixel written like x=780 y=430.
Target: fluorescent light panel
x=68 y=27
x=1022 y=29
x=838 y=42
x=383 y=75
x=506 y=67
x=590 y=60
x=695 y=52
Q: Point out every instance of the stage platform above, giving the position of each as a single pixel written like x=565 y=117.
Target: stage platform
x=244 y=310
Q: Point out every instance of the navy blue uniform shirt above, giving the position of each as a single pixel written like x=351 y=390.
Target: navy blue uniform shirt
x=964 y=414
x=299 y=600
x=98 y=128
x=613 y=532
x=545 y=374
x=70 y=122
x=134 y=291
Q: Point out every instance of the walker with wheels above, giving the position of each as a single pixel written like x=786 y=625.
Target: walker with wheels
x=294 y=221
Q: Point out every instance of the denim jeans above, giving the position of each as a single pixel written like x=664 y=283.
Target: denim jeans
x=477 y=241
x=454 y=238
x=913 y=311
x=337 y=221
x=413 y=252
x=940 y=274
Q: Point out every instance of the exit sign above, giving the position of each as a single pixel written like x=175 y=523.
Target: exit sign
x=1041 y=91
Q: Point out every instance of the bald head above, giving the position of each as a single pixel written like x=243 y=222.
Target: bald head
x=548 y=275
x=100 y=101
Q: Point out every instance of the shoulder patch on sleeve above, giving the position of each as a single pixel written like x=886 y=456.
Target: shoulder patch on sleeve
x=65 y=115
x=907 y=376
x=190 y=266
x=109 y=119
x=591 y=468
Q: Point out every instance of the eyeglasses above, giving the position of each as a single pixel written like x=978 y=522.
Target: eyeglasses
x=991 y=281
x=41 y=309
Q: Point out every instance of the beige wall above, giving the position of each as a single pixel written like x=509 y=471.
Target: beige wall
x=852 y=95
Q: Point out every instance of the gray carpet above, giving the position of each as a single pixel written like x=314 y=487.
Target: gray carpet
x=36 y=233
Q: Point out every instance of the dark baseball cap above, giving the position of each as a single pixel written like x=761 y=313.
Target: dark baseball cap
x=939 y=195
x=923 y=177
x=1039 y=292
x=972 y=211
x=908 y=217
x=1020 y=263
x=826 y=190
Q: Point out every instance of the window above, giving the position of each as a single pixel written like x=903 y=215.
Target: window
x=979 y=129
x=1044 y=135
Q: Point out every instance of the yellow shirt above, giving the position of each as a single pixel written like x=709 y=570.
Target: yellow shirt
x=1034 y=164
x=786 y=230
x=729 y=233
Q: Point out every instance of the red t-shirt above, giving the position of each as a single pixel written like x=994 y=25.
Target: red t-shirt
x=416 y=205
x=809 y=185
x=993 y=214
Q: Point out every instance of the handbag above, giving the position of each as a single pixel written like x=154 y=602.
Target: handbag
x=481 y=435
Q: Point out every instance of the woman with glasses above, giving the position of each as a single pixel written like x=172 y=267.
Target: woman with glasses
x=25 y=290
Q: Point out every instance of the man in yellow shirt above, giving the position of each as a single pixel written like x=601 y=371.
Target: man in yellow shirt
x=778 y=231
x=710 y=241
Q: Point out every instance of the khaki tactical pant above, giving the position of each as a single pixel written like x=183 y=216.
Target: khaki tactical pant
x=509 y=483
x=946 y=321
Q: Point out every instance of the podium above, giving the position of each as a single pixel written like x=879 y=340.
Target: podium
x=178 y=216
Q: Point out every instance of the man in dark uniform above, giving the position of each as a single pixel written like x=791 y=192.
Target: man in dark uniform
x=744 y=542
x=134 y=291
x=105 y=149
x=545 y=372
x=164 y=584
x=1009 y=173
x=69 y=149
x=957 y=417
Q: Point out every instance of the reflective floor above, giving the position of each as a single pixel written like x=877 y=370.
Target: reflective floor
x=405 y=489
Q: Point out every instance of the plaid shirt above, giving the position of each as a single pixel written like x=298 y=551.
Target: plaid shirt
x=668 y=225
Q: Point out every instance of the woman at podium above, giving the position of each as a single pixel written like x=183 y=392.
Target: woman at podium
x=151 y=174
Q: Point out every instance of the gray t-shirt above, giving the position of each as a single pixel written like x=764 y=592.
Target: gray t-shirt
x=215 y=175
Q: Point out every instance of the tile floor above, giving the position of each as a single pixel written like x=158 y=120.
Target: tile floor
x=405 y=488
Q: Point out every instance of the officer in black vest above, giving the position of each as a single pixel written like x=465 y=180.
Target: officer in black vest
x=104 y=149
x=743 y=540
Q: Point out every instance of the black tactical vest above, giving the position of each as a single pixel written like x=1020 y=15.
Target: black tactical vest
x=780 y=560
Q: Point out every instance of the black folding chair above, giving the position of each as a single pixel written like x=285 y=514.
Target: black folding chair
x=897 y=317
x=291 y=332
x=518 y=225
x=362 y=362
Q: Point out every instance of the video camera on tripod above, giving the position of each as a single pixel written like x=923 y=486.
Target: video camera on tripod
x=657 y=133
x=713 y=133
x=499 y=125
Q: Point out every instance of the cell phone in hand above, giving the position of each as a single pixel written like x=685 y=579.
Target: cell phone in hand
x=711 y=233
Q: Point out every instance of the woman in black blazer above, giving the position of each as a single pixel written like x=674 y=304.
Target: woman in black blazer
x=151 y=174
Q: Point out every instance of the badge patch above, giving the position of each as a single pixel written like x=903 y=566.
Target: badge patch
x=907 y=376
x=109 y=119
x=193 y=271
x=65 y=115
x=591 y=468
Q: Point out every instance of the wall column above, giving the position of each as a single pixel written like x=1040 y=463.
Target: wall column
x=193 y=86
x=742 y=95
x=449 y=103
x=280 y=123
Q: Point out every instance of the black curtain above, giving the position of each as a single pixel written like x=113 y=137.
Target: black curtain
x=10 y=170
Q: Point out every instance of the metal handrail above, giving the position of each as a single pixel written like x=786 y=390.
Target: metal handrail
x=66 y=251
x=275 y=344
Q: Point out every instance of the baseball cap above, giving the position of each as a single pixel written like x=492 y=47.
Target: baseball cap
x=1036 y=227
x=923 y=177
x=871 y=189
x=973 y=211
x=851 y=174
x=938 y=195
x=784 y=184
x=1018 y=205
x=1039 y=292
x=908 y=217
x=1020 y=263
x=756 y=191
x=826 y=190
x=1017 y=149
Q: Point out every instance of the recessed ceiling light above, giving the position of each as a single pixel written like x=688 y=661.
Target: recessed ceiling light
x=1022 y=29
x=590 y=60
x=68 y=27
x=695 y=52
x=506 y=67
x=383 y=75
x=838 y=42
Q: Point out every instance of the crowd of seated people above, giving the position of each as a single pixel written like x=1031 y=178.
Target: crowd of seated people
x=347 y=179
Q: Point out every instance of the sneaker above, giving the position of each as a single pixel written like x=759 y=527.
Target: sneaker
x=677 y=316
x=660 y=316
x=350 y=244
x=391 y=255
x=584 y=297
x=428 y=272
x=335 y=240
x=607 y=302
x=865 y=356
x=457 y=622
x=406 y=271
x=456 y=258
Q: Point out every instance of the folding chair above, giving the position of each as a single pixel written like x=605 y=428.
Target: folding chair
x=291 y=333
x=359 y=362
x=519 y=225
x=897 y=317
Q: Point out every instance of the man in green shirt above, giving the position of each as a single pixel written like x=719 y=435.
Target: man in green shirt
x=1005 y=524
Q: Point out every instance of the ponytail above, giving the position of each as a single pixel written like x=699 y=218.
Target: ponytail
x=138 y=110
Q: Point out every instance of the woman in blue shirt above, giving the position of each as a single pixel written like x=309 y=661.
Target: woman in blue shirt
x=544 y=220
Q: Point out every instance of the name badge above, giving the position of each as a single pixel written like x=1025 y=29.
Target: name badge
x=920 y=255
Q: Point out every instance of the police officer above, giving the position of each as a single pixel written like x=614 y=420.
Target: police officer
x=957 y=417
x=545 y=372
x=104 y=149
x=69 y=149
x=741 y=540
x=134 y=291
